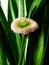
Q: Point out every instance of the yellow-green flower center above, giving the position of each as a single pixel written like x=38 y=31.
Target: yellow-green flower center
x=23 y=24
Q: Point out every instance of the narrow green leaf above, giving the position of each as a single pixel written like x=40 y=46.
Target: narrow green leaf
x=34 y=6
x=2 y=51
x=2 y=55
x=17 y=2
x=6 y=45
x=43 y=40
x=13 y=16
x=40 y=50
x=11 y=36
x=15 y=7
x=21 y=8
x=46 y=30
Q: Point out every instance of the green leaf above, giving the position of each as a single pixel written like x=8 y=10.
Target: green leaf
x=21 y=8
x=11 y=36
x=40 y=50
x=43 y=40
x=13 y=11
x=3 y=55
x=6 y=45
x=34 y=6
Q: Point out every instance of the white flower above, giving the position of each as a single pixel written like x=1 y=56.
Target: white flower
x=24 y=25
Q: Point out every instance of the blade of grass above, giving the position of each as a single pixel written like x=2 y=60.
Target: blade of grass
x=10 y=35
x=40 y=50
x=15 y=7
x=2 y=55
x=21 y=8
x=28 y=4
x=18 y=40
x=17 y=2
x=2 y=51
x=6 y=45
x=46 y=29
x=43 y=40
x=34 y=6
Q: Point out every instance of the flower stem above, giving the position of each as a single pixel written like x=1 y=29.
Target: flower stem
x=22 y=38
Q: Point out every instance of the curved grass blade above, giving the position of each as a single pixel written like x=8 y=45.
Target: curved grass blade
x=46 y=29
x=34 y=6
x=6 y=46
x=12 y=10
x=15 y=7
x=28 y=4
x=18 y=40
x=43 y=40
x=9 y=34
x=40 y=50
x=3 y=54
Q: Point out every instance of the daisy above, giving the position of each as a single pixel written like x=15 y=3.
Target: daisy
x=24 y=25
